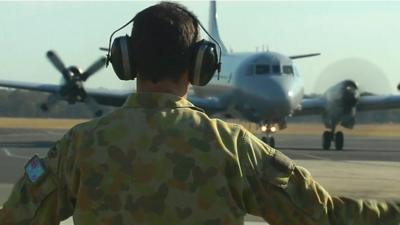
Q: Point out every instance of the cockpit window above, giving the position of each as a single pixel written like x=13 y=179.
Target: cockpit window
x=287 y=70
x=276 y=69
x=262 y=69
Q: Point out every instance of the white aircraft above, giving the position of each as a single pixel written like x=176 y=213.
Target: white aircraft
x=262 y=87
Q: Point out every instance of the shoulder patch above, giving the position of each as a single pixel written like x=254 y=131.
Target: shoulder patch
x=35 y=170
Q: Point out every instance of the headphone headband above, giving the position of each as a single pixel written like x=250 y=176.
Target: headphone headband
x=205 y=62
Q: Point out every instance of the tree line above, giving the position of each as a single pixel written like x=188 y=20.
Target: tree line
x=20 y=103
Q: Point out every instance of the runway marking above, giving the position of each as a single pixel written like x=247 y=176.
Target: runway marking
x=20 y=134
x=36 y=133
x=55 y=133
x=313 y=156
x=11 y=155
x=373 y=163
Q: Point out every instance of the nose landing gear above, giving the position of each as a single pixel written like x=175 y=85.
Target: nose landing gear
x=268 y=138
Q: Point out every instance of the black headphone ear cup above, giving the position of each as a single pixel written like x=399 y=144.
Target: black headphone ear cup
x=121 y=58
x=204 y=63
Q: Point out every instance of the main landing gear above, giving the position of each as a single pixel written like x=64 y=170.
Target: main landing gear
x=330 y=136
x=98 y=113
x=268 y=138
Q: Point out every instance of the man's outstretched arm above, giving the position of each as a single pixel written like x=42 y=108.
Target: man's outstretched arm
x=283 y=193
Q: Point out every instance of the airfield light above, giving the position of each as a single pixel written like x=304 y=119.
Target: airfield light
x=264 y=128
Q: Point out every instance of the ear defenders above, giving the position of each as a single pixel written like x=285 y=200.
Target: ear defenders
x=203 y=64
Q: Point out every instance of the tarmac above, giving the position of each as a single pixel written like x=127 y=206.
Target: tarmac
x=368 y=167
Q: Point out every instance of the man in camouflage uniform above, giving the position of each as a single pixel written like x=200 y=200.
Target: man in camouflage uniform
x=160 y=160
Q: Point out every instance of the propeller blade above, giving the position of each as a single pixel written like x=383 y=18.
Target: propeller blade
x=96 y=66
x=56 y=61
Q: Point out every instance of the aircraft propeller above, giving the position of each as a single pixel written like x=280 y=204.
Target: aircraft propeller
x=72 y=89
x=369 y=76
x=58 y=64
x=356 y=77
x=96 y=66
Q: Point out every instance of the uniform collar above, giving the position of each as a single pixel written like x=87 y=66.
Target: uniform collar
x=157 y=100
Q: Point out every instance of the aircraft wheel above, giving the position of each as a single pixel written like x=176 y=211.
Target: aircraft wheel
x=326 y=140
x=98 y=113
x=44 y=107
x=269 y=141
x=339 y=140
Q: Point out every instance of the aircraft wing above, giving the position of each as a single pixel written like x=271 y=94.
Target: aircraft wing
x=304 y=56
x=311 y=106
x=102 y=97
x=376 y=102
x=49 y=88
x=109 y=98
x=209 y=105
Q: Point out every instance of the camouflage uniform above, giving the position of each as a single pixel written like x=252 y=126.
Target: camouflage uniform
x=160 y=160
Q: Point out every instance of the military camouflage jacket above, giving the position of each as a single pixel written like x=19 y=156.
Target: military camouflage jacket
x=160 y=160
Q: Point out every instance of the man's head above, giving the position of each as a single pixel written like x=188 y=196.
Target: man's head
x=162 y=39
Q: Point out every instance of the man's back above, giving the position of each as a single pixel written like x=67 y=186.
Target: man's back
x=154 y=160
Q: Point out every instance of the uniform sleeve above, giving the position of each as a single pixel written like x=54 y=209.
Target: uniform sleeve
x=285 y=194
x=45 y=202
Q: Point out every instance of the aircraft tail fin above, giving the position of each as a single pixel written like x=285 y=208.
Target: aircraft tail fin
x=304 y=56
x=213 y=26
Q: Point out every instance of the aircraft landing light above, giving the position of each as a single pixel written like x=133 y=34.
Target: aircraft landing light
x=264 y=128
x=273 y=129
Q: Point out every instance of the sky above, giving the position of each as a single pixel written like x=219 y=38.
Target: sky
x=357 y=40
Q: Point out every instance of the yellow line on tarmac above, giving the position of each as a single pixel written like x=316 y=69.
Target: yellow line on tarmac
x=39 y=123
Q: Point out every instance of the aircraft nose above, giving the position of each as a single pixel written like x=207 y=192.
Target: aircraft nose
x=277 y=94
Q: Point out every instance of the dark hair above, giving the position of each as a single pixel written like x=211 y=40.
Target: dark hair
x=162 y=37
